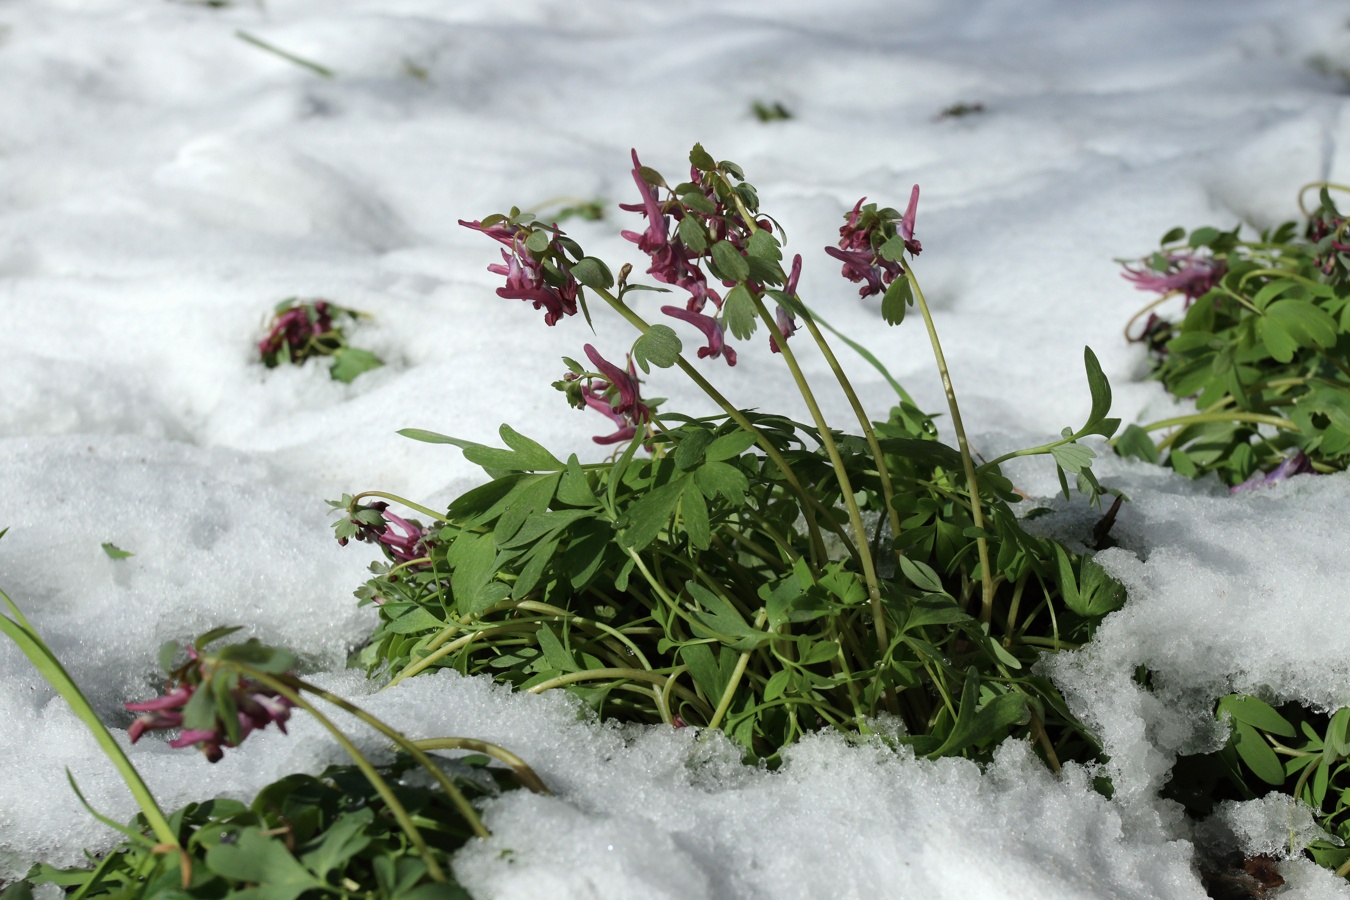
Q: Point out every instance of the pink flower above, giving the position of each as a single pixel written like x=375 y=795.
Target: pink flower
x=527 y=276
x=712 y=330
x=1298 y=464
x=619 y=399
x=1185 y=273
x=861 y=238
x=787 y=326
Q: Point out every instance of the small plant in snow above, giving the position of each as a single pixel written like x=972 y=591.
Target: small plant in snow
x=303 y=329
x=1260 y=343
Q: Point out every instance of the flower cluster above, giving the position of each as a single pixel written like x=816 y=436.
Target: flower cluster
x=705 y=227
x=295 y=330
x=872 y=242
x=614 y=394
x=250 y=705
x=1327 y=230
x=401 y=539
x=1183 y=272
x=534 y=264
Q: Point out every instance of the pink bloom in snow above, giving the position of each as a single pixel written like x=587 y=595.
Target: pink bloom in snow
x=1185 y=273
x=619 y=400
x=527 y=278
x=1298 y=464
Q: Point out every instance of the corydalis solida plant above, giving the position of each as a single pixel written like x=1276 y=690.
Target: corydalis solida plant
x=753 y=574
x=303 y=329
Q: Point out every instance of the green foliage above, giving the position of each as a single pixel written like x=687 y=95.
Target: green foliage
x=330 y=835
x=669 y=588
x=1291 y=750
x=1261 y=348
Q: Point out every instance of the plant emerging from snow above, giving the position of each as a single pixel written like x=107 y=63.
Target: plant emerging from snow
x=742 y=571
x=303 y=329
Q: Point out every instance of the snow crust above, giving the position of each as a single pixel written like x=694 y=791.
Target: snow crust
x=163 y=184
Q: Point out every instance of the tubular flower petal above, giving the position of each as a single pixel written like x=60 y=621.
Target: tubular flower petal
x=619 y=399
x=527 y=278
x=712 y=330
x=1298 y=464
x=1192 y=276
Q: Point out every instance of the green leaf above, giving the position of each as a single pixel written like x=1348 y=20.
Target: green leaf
x=691 y=448
x=555 y=654
x=729 y=445
x=349 y=362
x=763 y=245
x=115 y=552
x=897 y=299
x=643 y=521
x=344 y=839
x=263 y=861
x=1134 y=441
x=1098 y=593
x=990 y=722
x=593 y=273
x=525 y=455
x=722 y=621
x=1098 y=385
x=821 y=651
x=1307 y=323
x=738 y=312
x=575 y=488
x=724 y=479
x=1256 y=753
x=893 y=250
x=1202 y=237
x=695 y=516
x=416 y=620
x=1257 y=713
x=728 y=263
x=692 y=235
x=433 y=437
x=701 y=159
x=711 y=673
x=921 y=575
x=1279 y=342
x=538 y=241
x=659 y=345
x=1175 y=234
x=1072 y=457
x=1338 y=733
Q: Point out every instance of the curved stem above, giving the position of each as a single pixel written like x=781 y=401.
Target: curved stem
x=862 y=546
x=22 y=633
x=976 y=507
x=524 y=774
x=377 y=781
x=883 y=473
x=624 y=674
x=456 y=796
x=435 y=516
x=1147 y=308
x=817 y=545
x=735 y=680
x=1201 y=418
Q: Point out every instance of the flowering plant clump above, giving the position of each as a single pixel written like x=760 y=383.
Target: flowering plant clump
x=301 y=329
x=1258 y=343
x=743 y=571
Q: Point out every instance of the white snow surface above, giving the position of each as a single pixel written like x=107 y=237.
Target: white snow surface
x=164 y=183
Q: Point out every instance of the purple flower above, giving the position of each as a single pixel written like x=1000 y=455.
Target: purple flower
x=1298 y=464
x=712 y=330
x=655 y=237
x=1185 y=273
x=293 y=329
x=256 y=707
x=406 y=544
x=619 y=399
x=787 y=326
x=906 y=228
x=527 y=278
x=861 y=238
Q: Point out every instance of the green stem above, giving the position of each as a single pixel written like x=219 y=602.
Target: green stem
x=862 y=351
x=377 y=781
x=435 y=516
x=864 y=550
x=625 y=674
x=456 y=796
x=524 y=774
x=736 y=675
x=322 y=71
x=883 y=473
x=817 y=545
x=976 y=507
x=22 y=633
x=1201 y=418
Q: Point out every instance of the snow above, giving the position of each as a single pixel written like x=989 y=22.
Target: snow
x=163 y=184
